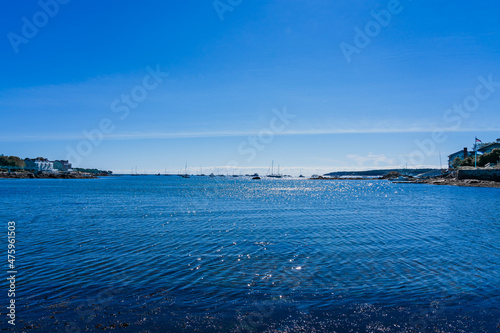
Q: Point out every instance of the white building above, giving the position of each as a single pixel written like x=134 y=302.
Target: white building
x=39 y=164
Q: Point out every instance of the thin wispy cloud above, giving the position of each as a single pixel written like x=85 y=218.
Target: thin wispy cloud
x=225 y=134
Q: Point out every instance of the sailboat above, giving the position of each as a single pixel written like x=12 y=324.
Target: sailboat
x=301 y=175
x=185 y=175
x=272 y=174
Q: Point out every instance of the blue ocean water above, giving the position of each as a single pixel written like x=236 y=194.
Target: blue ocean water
x=168 y=254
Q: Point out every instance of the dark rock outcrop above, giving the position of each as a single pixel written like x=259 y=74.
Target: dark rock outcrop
x=26 y=175
x=392 y=175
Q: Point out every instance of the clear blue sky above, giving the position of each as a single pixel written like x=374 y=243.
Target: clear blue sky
x=226 y=76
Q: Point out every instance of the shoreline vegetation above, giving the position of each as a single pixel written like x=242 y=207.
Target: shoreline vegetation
x=43 y=175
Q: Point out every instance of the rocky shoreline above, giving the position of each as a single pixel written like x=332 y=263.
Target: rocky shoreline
x=466 y=176
x=462 y=177
x=459 y=182
x=31 y=175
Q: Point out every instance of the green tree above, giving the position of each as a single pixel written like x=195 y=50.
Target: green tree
x=456 y=162
x=11 y=161
x=492 y=157
x=469 y=161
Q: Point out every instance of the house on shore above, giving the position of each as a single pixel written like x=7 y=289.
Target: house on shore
x=43 y=164
x=488 y=147
x=482 y=148
x=62 y=165
x=39 y=164
x=462 y=154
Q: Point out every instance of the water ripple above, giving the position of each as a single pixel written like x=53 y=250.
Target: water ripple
x=187 y=245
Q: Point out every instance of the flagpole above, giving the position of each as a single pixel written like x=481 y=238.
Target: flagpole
x=475 y=153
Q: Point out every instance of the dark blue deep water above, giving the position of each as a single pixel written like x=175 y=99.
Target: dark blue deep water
x=167 y=254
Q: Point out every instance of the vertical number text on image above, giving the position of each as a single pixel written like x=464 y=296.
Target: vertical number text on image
x=11 y=272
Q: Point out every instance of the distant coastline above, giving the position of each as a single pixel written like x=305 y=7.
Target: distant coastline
x=30 y=168
x=463 y=176
x=41 y=175
x=381 y=172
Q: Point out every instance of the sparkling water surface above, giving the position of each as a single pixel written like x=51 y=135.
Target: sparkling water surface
x=224 y=254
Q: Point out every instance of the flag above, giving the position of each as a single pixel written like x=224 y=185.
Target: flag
x=477 y=140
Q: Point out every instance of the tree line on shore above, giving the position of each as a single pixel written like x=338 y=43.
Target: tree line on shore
x=11 y=161
x=492 y=157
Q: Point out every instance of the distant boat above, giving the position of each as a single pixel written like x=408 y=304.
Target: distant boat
x=403 y=179
x=272 y=174
x=301 y=176
x=256 y=177
x=212 y=175
x=185 y=175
